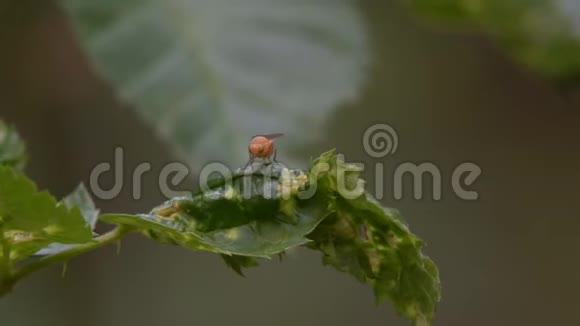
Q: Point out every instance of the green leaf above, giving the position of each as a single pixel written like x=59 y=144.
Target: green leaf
x=81 y=199
x=238 y=263
x=373 y=245
x=266 y=209
x=255 y=214
x=12 y=148
x=543 y=34
x=209 y=74
x=31 y=220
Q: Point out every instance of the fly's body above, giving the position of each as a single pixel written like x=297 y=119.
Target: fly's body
x=262 y=146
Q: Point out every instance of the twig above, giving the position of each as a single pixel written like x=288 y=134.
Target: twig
x=112 y=236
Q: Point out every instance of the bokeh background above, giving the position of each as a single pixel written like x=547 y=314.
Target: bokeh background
x=193 y=80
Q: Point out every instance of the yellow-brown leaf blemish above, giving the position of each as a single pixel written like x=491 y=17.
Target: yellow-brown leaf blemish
x=17 y=236
x=171 y=217
x=166 y=211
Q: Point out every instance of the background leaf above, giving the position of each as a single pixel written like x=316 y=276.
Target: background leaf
x=544 y=34
x=209 y=74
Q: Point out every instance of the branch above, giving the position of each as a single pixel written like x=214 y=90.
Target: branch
x=8 y=282
x=5 y=264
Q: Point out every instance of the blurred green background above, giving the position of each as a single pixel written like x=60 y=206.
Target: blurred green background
x=330 y=70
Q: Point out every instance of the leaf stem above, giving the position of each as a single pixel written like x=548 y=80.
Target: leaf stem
x=5 y=264
x=6 y=284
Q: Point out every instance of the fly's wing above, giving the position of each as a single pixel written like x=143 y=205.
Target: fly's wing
x=272 y=136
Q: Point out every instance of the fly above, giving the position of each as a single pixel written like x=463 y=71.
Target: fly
x=262 y=146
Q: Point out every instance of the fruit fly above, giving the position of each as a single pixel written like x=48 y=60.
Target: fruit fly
x=262 y=146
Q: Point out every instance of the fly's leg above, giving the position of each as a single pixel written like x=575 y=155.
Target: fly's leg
x=272 y=159
x=250 y=161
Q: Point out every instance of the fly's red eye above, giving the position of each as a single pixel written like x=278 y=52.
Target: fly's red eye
x=262 y=146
